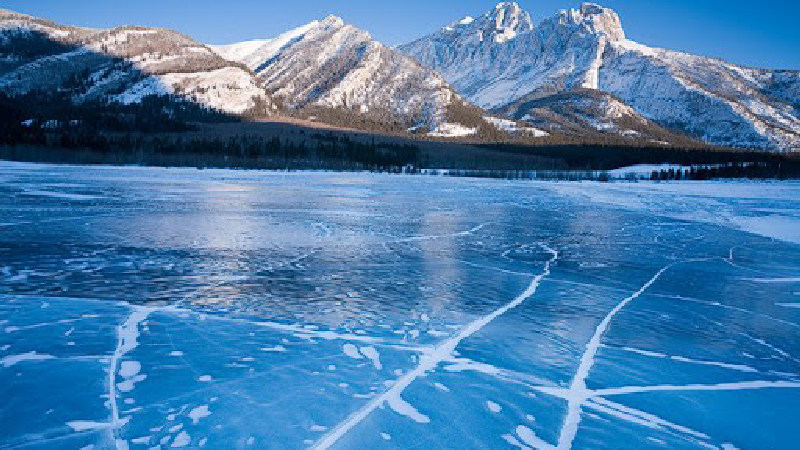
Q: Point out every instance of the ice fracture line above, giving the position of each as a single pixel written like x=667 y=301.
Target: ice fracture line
x=428 y=362
x=127 y=340
x=578 y=392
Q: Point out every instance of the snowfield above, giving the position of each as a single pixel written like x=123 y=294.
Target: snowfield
x=177 y=308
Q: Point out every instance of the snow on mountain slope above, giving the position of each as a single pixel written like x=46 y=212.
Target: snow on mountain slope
x=589 y=114
x=464 y=52
x=254 y=53
x=331 y=64
x=123 y=64
x=714 y=100
x=502 y=56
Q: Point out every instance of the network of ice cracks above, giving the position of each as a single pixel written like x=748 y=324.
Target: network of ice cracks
x=414 y=360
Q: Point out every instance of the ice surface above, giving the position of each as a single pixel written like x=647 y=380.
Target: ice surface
x=176 y=308
x=767 y=209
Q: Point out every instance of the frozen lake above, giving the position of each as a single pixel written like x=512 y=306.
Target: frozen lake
x=168 y=308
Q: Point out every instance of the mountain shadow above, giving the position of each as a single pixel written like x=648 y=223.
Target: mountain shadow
x=50 y=85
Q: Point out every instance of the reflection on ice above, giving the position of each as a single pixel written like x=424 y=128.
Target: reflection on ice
x=144 y=308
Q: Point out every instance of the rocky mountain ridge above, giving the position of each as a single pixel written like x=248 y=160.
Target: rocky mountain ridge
x=331 y=64
x=502 y=56
x=574 y=74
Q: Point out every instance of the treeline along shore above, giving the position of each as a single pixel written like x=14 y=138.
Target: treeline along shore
x=190 y=136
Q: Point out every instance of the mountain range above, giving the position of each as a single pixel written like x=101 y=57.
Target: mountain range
x=575 y=74
x=502 y=58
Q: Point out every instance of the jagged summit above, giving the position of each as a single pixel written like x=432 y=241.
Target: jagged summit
x=509 y=20
x=594 y=19
x=332 y=21
x=505 y=22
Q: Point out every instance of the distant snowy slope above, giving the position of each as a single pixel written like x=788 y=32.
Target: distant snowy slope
x=255 y=53
x=500 y=57
x=123 y=64
x=589 y=113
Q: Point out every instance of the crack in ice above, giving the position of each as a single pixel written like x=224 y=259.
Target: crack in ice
x=786 y=280
x=464 y=233
x=428 y=362
x=579 y=395
x=127 y=340
x=737 y=386
x=578 y=392
x=729 y=307
x=646 y=419
x=683 y=359
x=296 y=330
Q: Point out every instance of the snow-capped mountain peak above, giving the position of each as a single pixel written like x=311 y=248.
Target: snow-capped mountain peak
x=586 y=48
x=595 y=19
x=509 y=20
x=332 y=21
x=505 y=22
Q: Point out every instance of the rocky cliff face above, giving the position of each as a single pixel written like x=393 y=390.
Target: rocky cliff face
x=494 y=61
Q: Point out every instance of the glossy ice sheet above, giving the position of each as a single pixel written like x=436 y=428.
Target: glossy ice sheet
x=224 y=309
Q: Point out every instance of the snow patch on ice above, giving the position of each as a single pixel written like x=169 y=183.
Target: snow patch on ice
x=276 y=349
x=181 y=440
x=404 y=408
x=11 y=360
x=351 y=351
x=199 y=413
x=129 y=369
x=530 y=438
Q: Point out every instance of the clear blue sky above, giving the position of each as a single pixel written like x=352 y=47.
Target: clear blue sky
x=758 y=33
